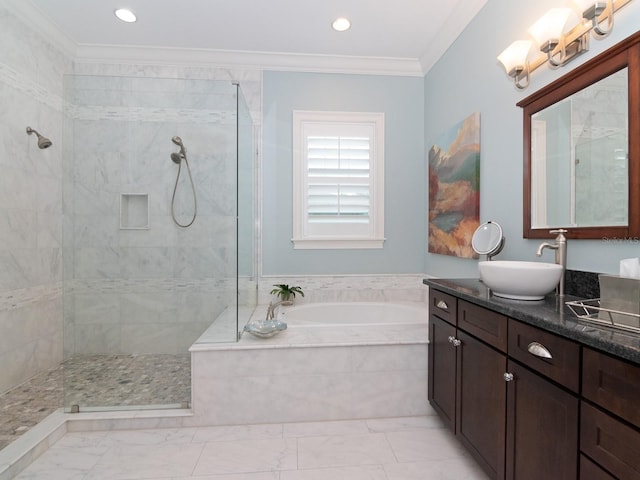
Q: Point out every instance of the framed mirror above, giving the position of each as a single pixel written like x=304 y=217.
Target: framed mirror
x=582 y=149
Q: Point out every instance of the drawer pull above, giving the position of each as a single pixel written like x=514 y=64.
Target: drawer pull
x=442 y=305
x=508 y=377
x=538 y=350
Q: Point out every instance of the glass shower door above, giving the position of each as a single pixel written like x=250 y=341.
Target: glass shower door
x=139 y=289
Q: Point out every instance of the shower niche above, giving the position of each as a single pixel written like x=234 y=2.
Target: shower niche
x=134 y=211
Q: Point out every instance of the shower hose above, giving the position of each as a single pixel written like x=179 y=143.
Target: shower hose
x=193 y=190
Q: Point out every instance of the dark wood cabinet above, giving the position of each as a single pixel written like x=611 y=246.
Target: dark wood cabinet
x=510 y=411
x=542 y=428
x=466 y=378
x=612 y=444
x=481 y=402
x=610 y=415
x=442 y=370
x=528 y=397
x=591 y=471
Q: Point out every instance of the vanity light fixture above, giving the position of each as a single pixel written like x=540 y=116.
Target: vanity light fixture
x=594 y=11
x=341 y=24
x=548 y=33
x=125 y=15
x=560 y=37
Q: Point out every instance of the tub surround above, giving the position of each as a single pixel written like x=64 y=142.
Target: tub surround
x=550 y=314
x=312 y=373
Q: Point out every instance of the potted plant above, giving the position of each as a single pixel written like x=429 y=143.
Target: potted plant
x=285 y=293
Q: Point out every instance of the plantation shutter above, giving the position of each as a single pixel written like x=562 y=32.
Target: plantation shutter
x=338 y=180
x=338 y=173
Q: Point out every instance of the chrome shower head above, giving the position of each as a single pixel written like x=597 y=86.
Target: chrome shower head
x=177 y=157
x=178 y=141
x=43 y=142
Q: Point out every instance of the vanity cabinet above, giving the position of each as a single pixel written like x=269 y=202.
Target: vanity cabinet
x=609 y=417
x=542 y=416
x=499 y=394
x=467 y=362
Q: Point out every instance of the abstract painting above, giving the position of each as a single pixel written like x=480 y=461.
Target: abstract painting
x=454 y=189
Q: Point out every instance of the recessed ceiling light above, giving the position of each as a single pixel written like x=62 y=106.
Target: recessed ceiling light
x=341 y=24
x=125 y=15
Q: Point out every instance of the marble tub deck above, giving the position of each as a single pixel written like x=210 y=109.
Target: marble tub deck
x=313 y=373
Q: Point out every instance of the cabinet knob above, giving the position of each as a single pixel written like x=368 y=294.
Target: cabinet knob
x=442 y=305
x=508 y=377
x=456 y=342
x=538 y=350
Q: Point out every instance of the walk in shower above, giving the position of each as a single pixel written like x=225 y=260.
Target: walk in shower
x=155 y=254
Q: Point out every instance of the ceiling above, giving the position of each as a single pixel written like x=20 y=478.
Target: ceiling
x=278 y=31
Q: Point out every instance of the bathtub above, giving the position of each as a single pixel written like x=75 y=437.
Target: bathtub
x=354 y=313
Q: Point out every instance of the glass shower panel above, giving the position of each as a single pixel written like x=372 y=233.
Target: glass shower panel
x=139 y=289
x=247 y=207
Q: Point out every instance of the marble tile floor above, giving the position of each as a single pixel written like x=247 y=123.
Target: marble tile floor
x=96 y=381
x=408 y=448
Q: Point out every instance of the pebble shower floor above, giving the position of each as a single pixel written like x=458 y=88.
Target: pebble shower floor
x=94 y=381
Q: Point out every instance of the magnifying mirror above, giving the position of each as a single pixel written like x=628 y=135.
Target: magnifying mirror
x=488 y=240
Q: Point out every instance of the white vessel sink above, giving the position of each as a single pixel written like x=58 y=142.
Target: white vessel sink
x=520 y=280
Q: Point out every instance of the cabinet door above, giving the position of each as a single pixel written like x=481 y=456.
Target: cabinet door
x=442 y=370
x=542 y=428
x=482 y=398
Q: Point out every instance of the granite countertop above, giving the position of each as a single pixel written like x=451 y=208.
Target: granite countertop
x=550 y=314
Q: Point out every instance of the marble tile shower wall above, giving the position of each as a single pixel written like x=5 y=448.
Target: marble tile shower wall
x=151 y=290
x=31 y=93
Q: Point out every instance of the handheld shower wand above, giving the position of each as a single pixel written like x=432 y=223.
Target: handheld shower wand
x=177 y=158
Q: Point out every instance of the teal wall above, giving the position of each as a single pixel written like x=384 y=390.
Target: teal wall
x=401 y=100
x=467 y=79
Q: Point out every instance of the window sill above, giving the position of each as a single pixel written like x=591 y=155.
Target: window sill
x=342 y=243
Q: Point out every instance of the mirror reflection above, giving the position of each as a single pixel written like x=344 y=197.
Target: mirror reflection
x=579 y=158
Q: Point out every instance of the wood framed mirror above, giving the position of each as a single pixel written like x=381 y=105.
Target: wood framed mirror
x=582 y=150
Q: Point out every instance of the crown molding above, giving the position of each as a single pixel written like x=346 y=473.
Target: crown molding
x=449 y=31
x=132 y=54
x=167 y=56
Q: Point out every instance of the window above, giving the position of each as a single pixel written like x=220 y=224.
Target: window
x=338 y=180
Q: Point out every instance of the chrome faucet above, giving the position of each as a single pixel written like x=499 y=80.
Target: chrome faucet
x=560 y=246
x=271 y=311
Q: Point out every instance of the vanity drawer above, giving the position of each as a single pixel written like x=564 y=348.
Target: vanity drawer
x=611 y=383
x=610 y=442
x=591 y=471
x=484 y=324
x=552 y=356
x=443 y=305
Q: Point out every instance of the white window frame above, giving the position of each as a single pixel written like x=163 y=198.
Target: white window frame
x=338 y=235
